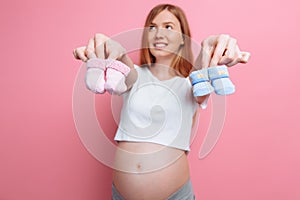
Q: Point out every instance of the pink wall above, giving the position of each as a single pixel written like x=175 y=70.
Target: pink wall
x=41 y=154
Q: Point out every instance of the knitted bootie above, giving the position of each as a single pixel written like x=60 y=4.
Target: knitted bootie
x=95 y=75
x=219 y=77
x=116 y=73
x=200 y=82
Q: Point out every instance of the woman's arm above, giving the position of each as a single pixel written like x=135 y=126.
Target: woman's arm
x=202 y=99
x=132 y=76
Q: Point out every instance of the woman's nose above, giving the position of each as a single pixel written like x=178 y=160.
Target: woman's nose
x=159 y=33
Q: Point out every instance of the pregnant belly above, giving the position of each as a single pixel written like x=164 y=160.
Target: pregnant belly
x=149 y=171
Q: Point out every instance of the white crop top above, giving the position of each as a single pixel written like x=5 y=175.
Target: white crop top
x=157 y=111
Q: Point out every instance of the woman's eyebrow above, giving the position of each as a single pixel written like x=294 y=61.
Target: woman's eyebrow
x=164 y=23
x=169 y=22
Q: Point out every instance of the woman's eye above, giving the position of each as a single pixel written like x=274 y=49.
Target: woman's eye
x=151 y=28
x=169 y=27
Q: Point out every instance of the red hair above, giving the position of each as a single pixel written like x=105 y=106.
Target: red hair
x=182 y=61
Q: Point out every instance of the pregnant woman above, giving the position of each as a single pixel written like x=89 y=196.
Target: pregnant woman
x=160 y=100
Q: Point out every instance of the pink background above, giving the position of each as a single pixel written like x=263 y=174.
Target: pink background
x=41 y=155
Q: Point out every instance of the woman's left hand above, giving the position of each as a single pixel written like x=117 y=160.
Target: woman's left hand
x=220 y=50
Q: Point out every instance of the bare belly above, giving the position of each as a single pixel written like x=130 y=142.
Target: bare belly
x=149 y=171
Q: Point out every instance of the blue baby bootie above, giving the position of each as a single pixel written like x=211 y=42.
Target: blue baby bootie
x=200 y=82
x=219 y=77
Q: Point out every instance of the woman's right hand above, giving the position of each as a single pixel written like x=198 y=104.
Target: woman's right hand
x=101 y=46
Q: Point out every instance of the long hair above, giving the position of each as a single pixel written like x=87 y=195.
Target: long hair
x=182 y=62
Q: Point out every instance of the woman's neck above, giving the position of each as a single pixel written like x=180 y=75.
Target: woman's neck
x=162 y=71
x=164 y=61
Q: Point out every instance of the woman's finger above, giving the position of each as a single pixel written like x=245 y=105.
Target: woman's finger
x=234 y=62
x=90 y=50
x=205 y=56
x=75 y=54
x=100 y=41
x=79 y=53
x=206 y=52
x=222 y=43
x=237 y=58
x=114 y=49
x=245 y=57
x=241 y=57
x=230 y=52
x=114 y=55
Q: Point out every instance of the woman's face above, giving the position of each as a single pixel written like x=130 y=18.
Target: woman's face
x=164 y=35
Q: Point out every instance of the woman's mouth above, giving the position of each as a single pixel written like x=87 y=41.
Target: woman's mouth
x=160 y=45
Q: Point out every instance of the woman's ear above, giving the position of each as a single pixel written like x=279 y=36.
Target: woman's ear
x=182 y=42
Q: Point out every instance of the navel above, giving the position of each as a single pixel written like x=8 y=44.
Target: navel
x=139 y=166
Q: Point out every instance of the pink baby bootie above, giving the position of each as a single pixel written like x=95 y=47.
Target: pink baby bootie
x=116 y=73
x=95 y=75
